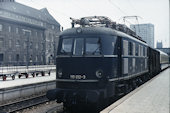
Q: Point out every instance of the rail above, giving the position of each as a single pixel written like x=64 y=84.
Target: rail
x=58 y=108
x=23 y=104
x=20 y=92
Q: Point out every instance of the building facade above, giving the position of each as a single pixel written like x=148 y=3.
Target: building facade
x=145 y=31
x=159 y=45
x=27 y=36
x=166 y=50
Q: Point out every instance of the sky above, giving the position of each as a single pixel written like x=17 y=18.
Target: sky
x=149 y=11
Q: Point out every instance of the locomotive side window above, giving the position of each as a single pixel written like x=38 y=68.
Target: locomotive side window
x=130 y=48
x=145 y=51
x=125 y=47
x=66 y=46
x=137 y=48
x=133 y=49
x=78 y=46
x=93 y=46
x=109 y=45
x=141 y=50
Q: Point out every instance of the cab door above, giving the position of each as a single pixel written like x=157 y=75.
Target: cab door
x=119 y=52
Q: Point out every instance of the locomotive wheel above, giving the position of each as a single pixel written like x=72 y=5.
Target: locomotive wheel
x=19 y=76
x=26 y=75
x=120 y=89
x=13 y=77
x=33 y=74
x=36 y=74
x=49 y=73
x=4 y=78
x=67 y=107
x=134 y=84
x=127 y=88
x=42 y=73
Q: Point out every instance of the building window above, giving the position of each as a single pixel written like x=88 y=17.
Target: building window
x=30 y=60
x=36 y=34
x=10 y=58
x=1 y=57
x=36 y=47
x=53 y=27
x=1 y=27
x=36 y=58
x=10 y=43
x=17 y=57
x=42 y=46
x=9 y=28
x=17 y=43
x=1 y=43
x=31 y=45
x=25 y=45
x=25 y=58
x=16 y=30
x=41 y=35
x=26 y=32
x=41 y=58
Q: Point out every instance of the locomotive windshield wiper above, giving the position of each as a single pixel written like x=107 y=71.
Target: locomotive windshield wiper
x=63 y=51
x=96 y=51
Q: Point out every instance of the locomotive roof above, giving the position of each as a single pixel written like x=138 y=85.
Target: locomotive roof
x=96 y=31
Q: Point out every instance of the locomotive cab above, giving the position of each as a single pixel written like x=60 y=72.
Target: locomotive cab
x=86 y=57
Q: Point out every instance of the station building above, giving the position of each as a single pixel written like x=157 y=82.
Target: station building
x=27 y=36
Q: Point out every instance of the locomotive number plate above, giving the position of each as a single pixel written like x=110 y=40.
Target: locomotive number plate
x=78 y=77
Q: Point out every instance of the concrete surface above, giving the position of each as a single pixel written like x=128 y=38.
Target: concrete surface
x=152 y=97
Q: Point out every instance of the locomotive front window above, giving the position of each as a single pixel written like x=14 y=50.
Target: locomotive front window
x=78 y=46
x=66 y=46
x=93 y=46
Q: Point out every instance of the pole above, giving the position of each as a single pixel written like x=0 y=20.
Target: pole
x=27 y=36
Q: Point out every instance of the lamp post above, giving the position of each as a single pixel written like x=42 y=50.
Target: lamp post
x=27 y=35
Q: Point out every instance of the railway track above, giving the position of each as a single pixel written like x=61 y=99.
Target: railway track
x=56 y=109
x=23 y=104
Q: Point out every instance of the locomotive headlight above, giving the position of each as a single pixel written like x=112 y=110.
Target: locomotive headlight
x=99 y=73
x=60 y=73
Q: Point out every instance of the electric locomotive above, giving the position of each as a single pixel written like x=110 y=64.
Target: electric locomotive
x=98 y=61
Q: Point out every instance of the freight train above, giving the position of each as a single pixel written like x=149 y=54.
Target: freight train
x=101 y=60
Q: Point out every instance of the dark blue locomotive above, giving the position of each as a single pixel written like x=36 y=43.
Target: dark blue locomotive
x=99 y=61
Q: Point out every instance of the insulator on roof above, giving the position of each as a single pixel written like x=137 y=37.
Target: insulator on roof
x=103 y=21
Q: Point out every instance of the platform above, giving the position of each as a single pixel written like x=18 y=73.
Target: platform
x=24 y=81
x=151 y=97
x=24 y=69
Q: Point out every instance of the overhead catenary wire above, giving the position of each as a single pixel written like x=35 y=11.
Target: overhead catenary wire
x=113 y=4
